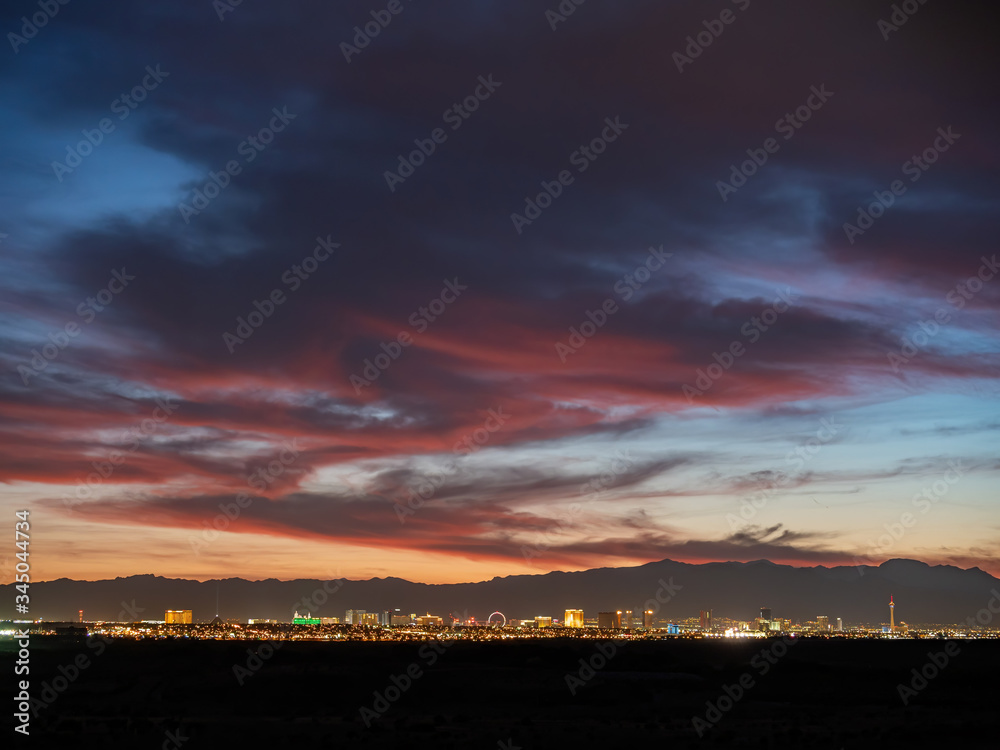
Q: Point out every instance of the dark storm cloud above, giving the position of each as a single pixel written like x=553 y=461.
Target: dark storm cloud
x=483 y=529
x=322 y=180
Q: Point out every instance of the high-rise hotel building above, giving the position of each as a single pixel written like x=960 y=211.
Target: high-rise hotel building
x=177 y=617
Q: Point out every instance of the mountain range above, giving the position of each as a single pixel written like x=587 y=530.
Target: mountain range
x=674 y=590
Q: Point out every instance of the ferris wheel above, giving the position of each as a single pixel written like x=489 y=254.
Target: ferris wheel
x=489 y=620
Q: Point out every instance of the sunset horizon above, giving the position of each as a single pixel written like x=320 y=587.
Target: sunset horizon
x=361 y=578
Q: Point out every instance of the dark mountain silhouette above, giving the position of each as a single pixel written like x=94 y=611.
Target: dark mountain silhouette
x=923 y=594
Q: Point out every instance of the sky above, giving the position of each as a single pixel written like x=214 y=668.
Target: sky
x=450 y=293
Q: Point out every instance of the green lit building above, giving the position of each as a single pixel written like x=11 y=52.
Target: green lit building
x=307 y=620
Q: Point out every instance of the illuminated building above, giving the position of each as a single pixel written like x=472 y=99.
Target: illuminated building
x=543 y=622
x=298 y=619
x=80 y=614
x=892 y=615
x=673 y=629
x=573 y=618
x=329 y=621
x=705 y=619
x=840 y=625
x=765 y=613
x=822 y=623
x=627 y=620
x=362 y=617
x=177 y=617
x=609 y=620
x=647 y=619
x=429 y=620
x=398 y=620
x=259 y=621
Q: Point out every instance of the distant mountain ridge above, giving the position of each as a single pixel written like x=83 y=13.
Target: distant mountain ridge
x=675 y=590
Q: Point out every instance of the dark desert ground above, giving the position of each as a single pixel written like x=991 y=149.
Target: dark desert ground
x=822 y=693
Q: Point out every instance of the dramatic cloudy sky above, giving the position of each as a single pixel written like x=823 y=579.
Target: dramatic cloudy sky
x=131 y=419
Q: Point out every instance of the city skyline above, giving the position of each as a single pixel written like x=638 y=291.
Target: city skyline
x=733 y=592
x=679 y=624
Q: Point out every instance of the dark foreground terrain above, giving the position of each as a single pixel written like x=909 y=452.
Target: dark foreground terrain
x=820 y=694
